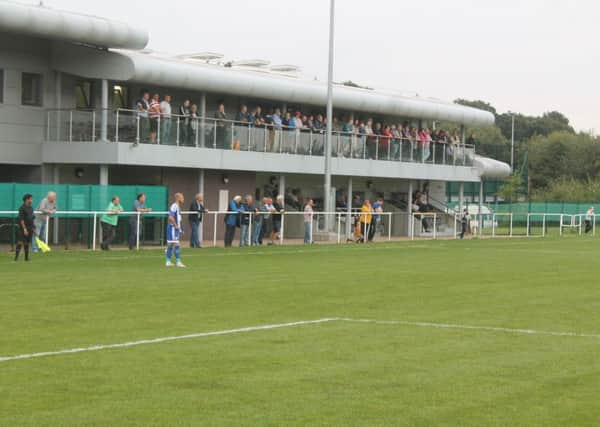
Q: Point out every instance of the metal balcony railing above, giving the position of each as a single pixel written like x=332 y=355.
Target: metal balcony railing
x=130 y=126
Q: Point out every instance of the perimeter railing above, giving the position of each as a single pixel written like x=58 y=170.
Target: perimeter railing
x=131 y=126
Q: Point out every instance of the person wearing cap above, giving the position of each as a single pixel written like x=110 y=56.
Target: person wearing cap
x=25 y=227
x=589 y=219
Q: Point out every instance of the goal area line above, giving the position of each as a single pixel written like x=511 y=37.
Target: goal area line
x=451 y=326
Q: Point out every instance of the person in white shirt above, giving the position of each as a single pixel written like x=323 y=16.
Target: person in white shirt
x=589 y=219
x=165 y=108
x=308 y=220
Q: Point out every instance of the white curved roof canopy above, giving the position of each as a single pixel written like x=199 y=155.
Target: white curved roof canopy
x=177 y=73
x=40 y=21
x=490 y=168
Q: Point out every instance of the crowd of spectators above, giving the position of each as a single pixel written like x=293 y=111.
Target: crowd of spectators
x=380 y=138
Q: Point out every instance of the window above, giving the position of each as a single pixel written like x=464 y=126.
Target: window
x=84 y=92
x=1 y=86
x=121 y=97
x=31 y=89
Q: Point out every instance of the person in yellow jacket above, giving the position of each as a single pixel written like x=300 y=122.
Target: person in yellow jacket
x=366 y=220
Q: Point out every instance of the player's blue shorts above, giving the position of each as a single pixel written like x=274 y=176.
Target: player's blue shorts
x=172 y=234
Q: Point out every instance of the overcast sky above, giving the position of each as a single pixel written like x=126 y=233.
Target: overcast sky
x=528 y=56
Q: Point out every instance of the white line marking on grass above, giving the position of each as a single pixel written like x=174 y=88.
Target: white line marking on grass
x=470 y=327
x=165 y=339
x=298 y=323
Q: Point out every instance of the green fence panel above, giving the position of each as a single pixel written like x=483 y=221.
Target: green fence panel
x=82 y=197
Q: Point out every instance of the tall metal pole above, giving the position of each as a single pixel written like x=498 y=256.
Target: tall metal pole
x=328 y=141
x=512 y=145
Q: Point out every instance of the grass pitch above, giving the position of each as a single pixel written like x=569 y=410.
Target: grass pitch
x=334 y=373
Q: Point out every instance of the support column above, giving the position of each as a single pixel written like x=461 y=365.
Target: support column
x=461 y=198
x=201 y=181
x=56 y=180
x=480 y=207
x=282 y=186
x=409 y=207
x=103 y=174
x=202 y=129
x=204 y=217
x=57 y=102
x=463 y=135
x=349 y=197
x=104 y=111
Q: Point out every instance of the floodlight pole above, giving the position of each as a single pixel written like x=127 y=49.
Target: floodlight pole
x=512 y=145
x=328 y=142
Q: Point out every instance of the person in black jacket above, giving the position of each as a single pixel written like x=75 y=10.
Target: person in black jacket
x=25 y=227
x=197 y=209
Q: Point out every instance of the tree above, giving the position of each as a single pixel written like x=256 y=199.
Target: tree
x=511 y=188
x=481 y=105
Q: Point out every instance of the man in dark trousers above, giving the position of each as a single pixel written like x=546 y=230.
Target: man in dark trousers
x=197 y=212
x=25 y=227
x=464 y=223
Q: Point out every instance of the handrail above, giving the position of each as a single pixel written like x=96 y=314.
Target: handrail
x=382 y=138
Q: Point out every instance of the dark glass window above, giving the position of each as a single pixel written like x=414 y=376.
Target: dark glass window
x=31 y=89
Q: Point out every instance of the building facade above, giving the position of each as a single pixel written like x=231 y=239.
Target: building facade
x=69 y=86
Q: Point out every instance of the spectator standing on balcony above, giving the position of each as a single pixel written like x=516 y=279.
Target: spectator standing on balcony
x=232 y=220
x=142 y=106
x=298 y=123
x=45 y=209
x=471 y=140
x=166 y=113
x=25 y=227
x=109 y=222
x=154 y=116
x=370 y=139
x=247 y=213
x=396 y=142
x=308 y=220
x=139 y=208
x=220 y=124
x=193 y=128
x=274 y=134
x=589 y=220
x=243 y=117
x=197 y=213
x=256 y=118
x=185 y=123
x=386 y=139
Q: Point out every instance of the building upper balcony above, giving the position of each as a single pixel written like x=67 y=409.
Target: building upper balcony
x=167 y=138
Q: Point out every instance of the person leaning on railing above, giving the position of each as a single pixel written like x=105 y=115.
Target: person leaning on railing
x=142 y=106
x=109 y=221
x=185 y=122
x=154 y=117
x=220 y=125
x=139 y=207
x=46 y=208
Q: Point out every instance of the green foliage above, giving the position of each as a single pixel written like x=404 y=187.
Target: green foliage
x=563 y=155
x=511 y=188
x=568 y=189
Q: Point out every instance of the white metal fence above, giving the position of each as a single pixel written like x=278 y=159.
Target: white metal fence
x=344 y=227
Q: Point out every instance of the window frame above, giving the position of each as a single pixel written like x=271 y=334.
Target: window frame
x=2 y=78
x=38 y=101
